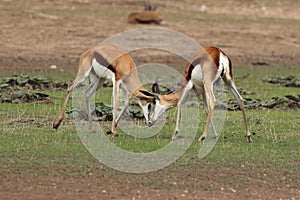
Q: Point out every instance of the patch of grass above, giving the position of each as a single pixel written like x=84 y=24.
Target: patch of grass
x=251 y=78
x=27 y=141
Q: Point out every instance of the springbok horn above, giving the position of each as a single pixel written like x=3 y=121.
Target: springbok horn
x=155 y=87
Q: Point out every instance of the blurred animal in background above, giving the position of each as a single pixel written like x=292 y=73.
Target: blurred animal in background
x=148 y=16
x=149 y=7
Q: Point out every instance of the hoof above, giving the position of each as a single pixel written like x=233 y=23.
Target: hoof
x=112 y=133
x=249 y=138
x=175 y=135
x=55 y=125
x=201 y=138
x=109 y=132
x=115 y=135
x=93 y=130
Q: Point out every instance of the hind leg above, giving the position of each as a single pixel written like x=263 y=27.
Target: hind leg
x=60 y=118
x=205 y=102
x=88 y=94
x=211 y=104
x=240 y=100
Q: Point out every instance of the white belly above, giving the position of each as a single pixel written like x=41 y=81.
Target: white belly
x=102 y=71
x=197 y=80
x=197 y=74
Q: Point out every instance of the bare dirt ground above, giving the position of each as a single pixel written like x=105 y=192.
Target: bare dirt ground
x=39 y=33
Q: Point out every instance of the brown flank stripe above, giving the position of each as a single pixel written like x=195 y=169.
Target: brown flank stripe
x=102 y=61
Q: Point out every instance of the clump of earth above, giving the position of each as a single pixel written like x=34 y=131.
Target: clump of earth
x=289 y=81
x=20 y=89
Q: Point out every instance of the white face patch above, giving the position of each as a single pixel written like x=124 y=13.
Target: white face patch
x=145 y=111
x=158 y=110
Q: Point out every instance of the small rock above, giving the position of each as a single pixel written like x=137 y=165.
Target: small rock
x=203 y=8
x=53 y=67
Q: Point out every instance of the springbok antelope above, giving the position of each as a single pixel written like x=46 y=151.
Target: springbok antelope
x=146 y=17
x=108 y=61
x=206 y=68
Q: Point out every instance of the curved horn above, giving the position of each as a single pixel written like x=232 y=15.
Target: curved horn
x=155 y=86
x=147 y=95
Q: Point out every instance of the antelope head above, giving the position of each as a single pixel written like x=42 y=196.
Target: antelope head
x=157 y=107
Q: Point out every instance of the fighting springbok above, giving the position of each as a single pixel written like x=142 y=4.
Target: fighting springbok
x=108 y=61
x=206 y=67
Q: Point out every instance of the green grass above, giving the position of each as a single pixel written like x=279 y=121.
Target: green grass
x=251 y=78
x=27 y=141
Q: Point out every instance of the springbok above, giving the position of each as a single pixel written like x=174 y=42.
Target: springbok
x=108 y=61
x=146 y=17
x=206 y=67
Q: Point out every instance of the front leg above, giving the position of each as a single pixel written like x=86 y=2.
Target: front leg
x=126 y=102
x=115 y=94
x=176 y=131
x=183 y=97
